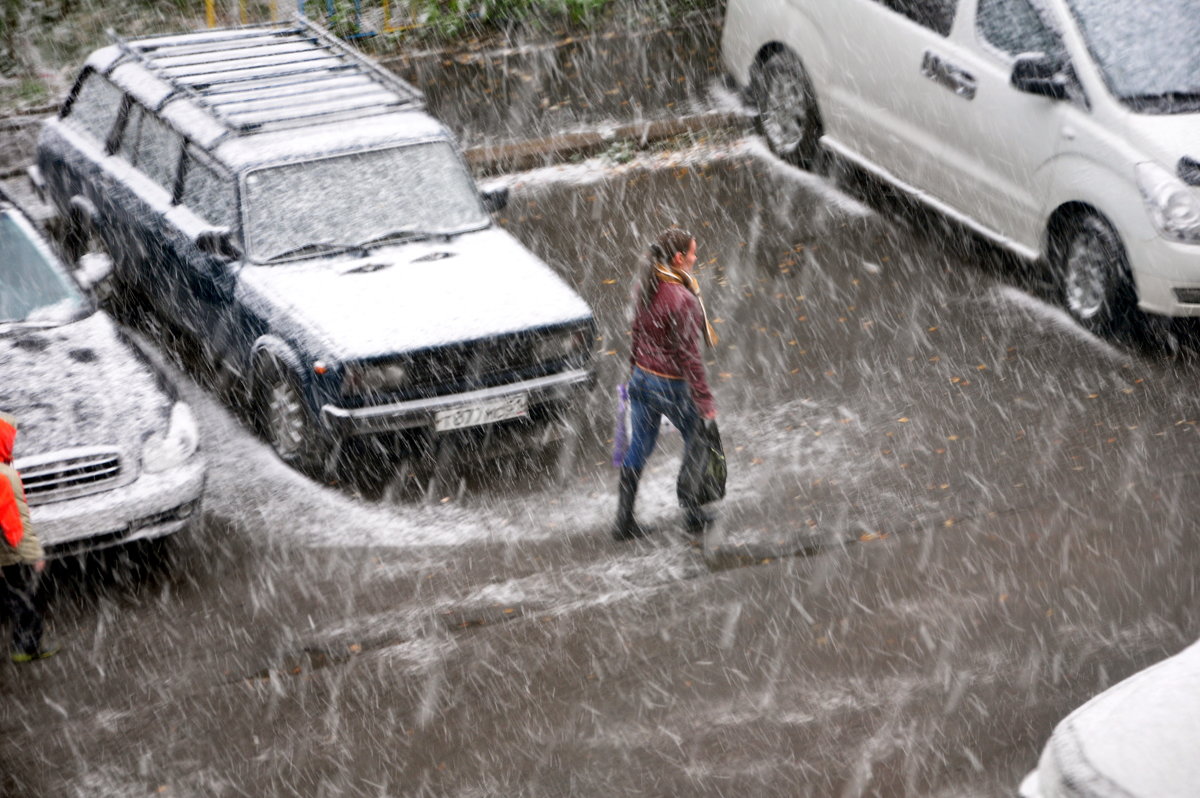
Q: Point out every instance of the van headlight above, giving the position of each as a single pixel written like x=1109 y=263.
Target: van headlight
x=1173 y=205
x=174 y=447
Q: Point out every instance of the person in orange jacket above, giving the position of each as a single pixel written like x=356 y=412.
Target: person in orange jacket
x=21 y=558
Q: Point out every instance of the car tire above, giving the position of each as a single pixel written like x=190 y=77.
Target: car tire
x=1093 y=271
x=285 y=419
x=788 y=117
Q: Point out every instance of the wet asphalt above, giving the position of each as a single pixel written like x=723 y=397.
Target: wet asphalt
x=953 y=516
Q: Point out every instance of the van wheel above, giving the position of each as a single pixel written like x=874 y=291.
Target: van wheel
x=1096 y=281
x=285 y=418
x=787 y=109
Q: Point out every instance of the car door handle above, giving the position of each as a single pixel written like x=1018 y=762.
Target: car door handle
x=944 y=73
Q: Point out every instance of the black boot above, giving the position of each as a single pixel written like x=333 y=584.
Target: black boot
x=696 y=519
x=626 y=528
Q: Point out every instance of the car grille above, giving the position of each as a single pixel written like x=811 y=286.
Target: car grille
x=474 y=364
x=69 y=474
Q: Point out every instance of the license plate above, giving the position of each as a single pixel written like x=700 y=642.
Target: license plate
x=476 y=413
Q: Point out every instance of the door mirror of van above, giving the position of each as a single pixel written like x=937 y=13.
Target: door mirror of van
x=495 y=199
x=92 y=269
x=1041 y=74
x=218 y=242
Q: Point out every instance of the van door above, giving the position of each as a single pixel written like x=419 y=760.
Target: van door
x=884 y=121
x=999 y=141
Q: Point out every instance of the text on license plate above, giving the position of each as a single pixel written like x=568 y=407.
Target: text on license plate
x=476 y=413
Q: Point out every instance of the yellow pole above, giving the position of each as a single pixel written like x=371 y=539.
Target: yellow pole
x=242 y=12
x=210 y=12
x=274 y=10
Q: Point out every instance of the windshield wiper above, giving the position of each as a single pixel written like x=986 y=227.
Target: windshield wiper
x=410 y=234
x=1165 y=99
x=310 y=248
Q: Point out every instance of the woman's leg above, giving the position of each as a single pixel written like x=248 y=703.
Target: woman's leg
x=683 y=414
x=646 y=401
x=645 y=420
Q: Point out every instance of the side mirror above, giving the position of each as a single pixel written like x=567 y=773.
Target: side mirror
x=1040 y=74
x=92 y=269
x=495 y=199
x=218 y=242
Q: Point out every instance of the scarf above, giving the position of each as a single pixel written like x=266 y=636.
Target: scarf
x=668 y=275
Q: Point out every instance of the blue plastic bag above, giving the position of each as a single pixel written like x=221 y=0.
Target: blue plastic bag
x=624 y=430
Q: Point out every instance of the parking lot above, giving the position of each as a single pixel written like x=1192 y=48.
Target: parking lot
x=952 y=516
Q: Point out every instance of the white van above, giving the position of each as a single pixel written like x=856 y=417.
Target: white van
x=1063 y=130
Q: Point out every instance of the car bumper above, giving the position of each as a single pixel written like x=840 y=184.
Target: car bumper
x=1169 y=281
x=152 y=506
x=420 y=413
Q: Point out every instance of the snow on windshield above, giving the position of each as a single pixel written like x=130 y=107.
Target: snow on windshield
x=1146 y=49
x=352 y=199
x=32 y=287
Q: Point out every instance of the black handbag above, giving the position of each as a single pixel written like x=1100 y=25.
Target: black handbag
x=705 y=471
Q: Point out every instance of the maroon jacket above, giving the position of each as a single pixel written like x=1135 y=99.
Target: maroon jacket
x=667 y=336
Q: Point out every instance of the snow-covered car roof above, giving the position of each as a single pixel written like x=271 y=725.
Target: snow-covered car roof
x=268 y=93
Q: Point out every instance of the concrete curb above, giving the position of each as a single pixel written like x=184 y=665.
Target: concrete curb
x=518 y=156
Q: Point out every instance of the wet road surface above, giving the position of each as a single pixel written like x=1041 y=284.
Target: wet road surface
x=952 y=517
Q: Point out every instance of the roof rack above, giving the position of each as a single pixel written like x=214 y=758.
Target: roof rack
x=284 y=74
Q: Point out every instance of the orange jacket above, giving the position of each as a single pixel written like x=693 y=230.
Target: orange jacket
x=10 y=512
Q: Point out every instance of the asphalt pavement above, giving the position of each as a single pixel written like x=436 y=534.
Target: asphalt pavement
x=952 y=517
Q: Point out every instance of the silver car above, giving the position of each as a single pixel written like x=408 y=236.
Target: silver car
x=107 y=452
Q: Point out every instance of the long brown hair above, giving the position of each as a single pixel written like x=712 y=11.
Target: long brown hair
x=662 y=250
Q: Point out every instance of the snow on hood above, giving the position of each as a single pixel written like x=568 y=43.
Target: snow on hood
x=79 y=384
x=476 y=285
x=1141 y=733
x=1168 y=136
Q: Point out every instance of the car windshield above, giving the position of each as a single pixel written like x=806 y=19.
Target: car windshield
x=34 y=289
x=364 y=198
x=1146 y=49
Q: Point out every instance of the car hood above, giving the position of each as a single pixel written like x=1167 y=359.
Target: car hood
x=1138 y=738
x=79 y=385
x=417 y=295
x=1168 y=137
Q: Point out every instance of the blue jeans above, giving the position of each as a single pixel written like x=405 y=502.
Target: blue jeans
x=651 y=397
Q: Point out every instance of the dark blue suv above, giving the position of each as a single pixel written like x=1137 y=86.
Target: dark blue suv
x=291 y=206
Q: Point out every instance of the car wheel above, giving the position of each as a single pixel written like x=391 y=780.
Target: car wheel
x=787 y=109
x=286 y=421
x=1096 y=283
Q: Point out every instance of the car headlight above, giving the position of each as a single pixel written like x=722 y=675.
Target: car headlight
x=1173 y=205
x=172 y=448
x=379 y=378
x=561 y=346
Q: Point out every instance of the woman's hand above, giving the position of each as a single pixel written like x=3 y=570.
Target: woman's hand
x=711 y=415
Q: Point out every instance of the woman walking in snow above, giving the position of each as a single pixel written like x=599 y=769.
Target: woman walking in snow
x=668 y=378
